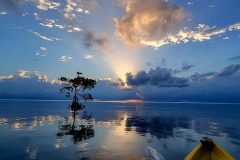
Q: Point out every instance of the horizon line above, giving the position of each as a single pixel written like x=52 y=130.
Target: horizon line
x=125 y=101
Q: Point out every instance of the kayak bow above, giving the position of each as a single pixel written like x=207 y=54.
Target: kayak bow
x=208 y=150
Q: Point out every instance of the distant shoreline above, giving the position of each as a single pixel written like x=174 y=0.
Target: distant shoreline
x=126 y=101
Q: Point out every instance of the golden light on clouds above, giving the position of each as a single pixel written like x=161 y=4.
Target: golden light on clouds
x=122 y=63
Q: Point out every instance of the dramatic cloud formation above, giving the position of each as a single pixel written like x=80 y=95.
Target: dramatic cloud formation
x=156 y=23
x=91 y=41
x=65 y=58
x=34 y=85
x=148 y=20
x=164 y=77
x=161 y=77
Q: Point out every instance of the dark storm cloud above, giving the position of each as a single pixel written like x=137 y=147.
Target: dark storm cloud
x=164 y=77
x=91 y=41
x=161 y=77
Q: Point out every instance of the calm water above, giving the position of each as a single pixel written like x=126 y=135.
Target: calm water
x=44 y=129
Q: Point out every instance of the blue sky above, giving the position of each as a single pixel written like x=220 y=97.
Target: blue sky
x=163 y=45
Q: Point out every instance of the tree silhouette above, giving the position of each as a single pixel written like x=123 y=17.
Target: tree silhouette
x=79 y=87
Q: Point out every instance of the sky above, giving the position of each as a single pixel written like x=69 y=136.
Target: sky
x=155 y=50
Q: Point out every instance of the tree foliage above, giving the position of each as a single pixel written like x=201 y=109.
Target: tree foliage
x=78 y=87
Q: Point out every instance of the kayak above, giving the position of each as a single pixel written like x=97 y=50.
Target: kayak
x=208 y=150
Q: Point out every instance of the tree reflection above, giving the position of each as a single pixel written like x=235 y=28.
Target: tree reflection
x=78 y=127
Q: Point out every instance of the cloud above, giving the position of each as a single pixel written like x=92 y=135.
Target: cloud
x=91 y=41
x=202 y=33
x=75 y=29
x=23 y=74
x=51 y=23
x=164 y=77
x=211 y=6
x=235 y=58
x=42 y=51
x=3 y=13
x=28 y=84
x=227 y=71
x=226 y=38
x=36 y=16
x=88 y=56
x=185 y=67
x=161 y=77
x=6 y=77
x=74 y=7
x=65 y=58
x=44 y=37
x=35 y=85
x=46 y=5
x=148 y=21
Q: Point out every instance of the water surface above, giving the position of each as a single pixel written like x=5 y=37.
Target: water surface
x=44 y=129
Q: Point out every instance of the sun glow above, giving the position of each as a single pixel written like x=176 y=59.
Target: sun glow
x=122 y=64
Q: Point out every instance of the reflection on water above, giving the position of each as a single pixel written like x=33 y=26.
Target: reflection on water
x=47 y=130
x=80 y=128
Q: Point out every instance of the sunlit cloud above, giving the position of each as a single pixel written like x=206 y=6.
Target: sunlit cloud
x=157 y=23
x=73 y=8
x=203 y=33
x=16 y=126
x=22 y=73
x=47 y=4
x=147 y=21
x=65 y=58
